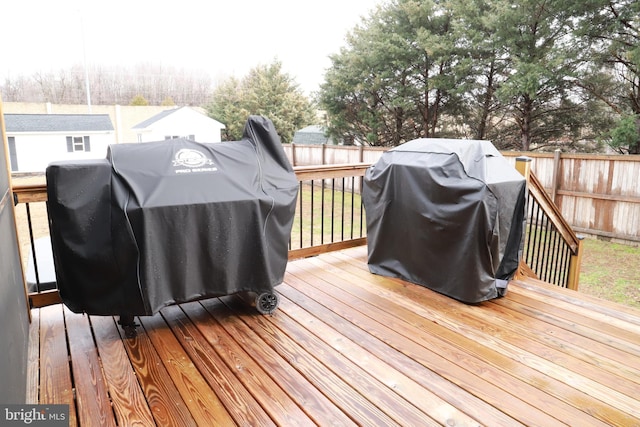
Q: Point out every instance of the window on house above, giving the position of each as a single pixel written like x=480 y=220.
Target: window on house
x=78 y=143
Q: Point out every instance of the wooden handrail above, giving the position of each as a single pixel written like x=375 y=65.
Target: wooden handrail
x=28 y=193
x=554 y=215
x=305 y=173
x=31 y=193
x=553 y=212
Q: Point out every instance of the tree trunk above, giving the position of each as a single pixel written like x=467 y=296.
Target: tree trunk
x=425 y=114
x=527 y=110
x=397 y=134
x=486 y=104
x=635 y=148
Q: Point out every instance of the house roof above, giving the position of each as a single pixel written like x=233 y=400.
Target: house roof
x=310 y=135
x=153 y=119
x=163 y=114
x=57 y=122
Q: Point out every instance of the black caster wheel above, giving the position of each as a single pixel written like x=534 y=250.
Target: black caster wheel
x=267 y=302
x=128 y=326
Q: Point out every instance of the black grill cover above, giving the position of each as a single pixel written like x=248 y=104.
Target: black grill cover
x=171 y=221
x=446 y=214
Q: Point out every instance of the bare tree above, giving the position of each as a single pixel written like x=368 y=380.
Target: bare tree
x=112 y=85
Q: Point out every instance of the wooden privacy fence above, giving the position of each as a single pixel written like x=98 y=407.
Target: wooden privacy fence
x=596 y=194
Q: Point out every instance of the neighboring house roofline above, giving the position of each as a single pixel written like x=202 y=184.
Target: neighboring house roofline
x=311 y=135
x=57 y=123
x=163 y=114
x=153 y=119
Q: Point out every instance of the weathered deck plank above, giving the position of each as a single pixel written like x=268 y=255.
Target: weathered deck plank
x=570 y=384
x=348 y=347
x=56 y=385
x=330 y=371
x=90 y=388
x=453 y=356
x=295 y=399
x=33 y=362
x=127 y=398
x=165 y=402
x=560 y=382
x=203 y=403
x=243 y=407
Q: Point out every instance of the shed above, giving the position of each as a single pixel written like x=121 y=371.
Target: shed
x=312 y=135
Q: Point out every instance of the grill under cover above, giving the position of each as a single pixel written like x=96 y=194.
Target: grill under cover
x=446 y=214
x=171 y=221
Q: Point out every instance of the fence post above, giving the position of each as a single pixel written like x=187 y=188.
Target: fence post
x=574 y=266
x=554 y=177
x=293 y=154
x=324 y=153
x=361 y=153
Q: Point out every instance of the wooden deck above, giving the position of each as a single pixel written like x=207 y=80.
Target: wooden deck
x=346 y=347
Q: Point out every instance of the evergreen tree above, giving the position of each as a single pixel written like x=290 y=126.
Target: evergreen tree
x=139 y=100
x=613 y=28
x=266 y=90
x=396 y=78
x=536 y=37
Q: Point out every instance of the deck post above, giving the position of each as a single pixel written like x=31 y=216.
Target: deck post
x=523 y=165
x=574 y=266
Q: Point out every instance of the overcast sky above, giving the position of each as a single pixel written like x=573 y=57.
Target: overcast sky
x=220 y=37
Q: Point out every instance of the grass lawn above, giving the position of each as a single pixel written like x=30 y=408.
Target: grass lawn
x=611 y=271
x=314 y=226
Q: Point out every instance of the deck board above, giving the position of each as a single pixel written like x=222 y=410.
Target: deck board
x=451 y=353
x=346 y=347
x=130 y=404
x=164 y=399
x=90 y=388
x=620 y=392
x=56 y=384
x=243 y=407
x=33 y=360
x=255 y=377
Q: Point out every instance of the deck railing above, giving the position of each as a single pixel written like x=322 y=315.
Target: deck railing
x=552 y=250
x=330 y=216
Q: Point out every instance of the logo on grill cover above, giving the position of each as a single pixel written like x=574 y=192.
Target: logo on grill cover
x=192 y=161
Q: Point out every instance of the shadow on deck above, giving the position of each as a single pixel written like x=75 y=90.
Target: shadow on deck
x=347 y=347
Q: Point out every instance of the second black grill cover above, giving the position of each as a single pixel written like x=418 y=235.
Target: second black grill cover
x=446 y=214
x=171 y=221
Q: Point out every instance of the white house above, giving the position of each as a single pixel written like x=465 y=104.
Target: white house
x=35 y=140
x=177 y=123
